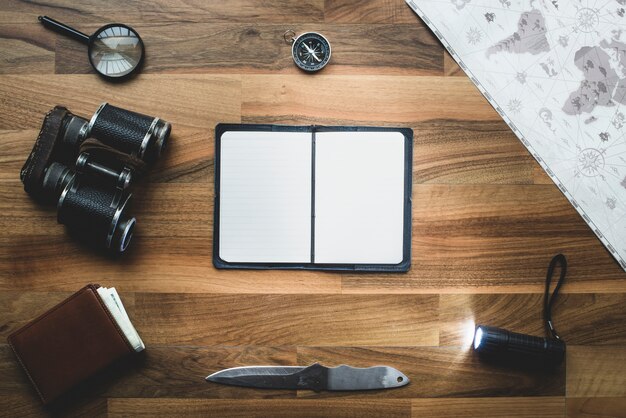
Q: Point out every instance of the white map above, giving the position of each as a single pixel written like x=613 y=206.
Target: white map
x=555 y=70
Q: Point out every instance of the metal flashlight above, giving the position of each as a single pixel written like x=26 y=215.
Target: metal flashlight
x=501 y=344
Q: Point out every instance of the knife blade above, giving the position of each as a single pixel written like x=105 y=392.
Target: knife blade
x=315 y=377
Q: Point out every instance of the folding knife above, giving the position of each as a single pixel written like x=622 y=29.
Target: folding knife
x=315 y=377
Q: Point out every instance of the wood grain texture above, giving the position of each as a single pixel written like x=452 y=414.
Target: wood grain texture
x=184 y=100
x=288 y=319
x=469 y=152
x=25 y=49
x=489 y=407
x=259 y=408
x=168 y=372
x=596 y=407
x=140 y=12
x=450 y=67
x=261 y=48
x=486 y=221
x=497 y=237
x=369 y=11
x=437 y=372
x=369 y=100
x=24 y=405
x=596 y=371
x=582 y=319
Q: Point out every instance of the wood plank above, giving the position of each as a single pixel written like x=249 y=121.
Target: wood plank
x=163 y=372
x=580 y=319
x=596 y=407
x=440 y=155
x=304 y=408
x=450 y=67
x=495 y=238
x=25 y=405
x=188 y=158
x=497 y=243
x=333 y=320
x=182 y=100
x=16 y=146
x=596 y=371
x=21 y=405
x=260 y=48
x=489 y=407
x=370 y=11
x=162 y=210
x=469 y=152
x=153 y=264
x=180 y=371
x=436 y=372
x=140 y=12
x=540 y=176
x=26 y=50
x=14 y=381
x=58 y=262
x=505 y=211
x=369 y=100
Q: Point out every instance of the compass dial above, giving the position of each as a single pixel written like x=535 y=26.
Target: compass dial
x=311 y=51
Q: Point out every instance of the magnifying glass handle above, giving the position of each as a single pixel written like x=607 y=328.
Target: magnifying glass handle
x=63 y=29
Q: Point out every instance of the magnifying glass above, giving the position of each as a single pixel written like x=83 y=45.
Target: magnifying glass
x=115 y=51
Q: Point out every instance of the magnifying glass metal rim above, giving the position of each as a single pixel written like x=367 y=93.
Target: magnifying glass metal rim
x=94 y=37
x=90 y=40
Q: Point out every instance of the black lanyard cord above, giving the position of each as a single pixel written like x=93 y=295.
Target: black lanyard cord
x=548 y=300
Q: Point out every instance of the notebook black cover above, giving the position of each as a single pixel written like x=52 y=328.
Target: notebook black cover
x=403 y=266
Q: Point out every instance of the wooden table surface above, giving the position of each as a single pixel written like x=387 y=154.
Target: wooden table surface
x=486 y=222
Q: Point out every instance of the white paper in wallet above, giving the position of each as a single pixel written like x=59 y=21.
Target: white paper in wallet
x=327 y=198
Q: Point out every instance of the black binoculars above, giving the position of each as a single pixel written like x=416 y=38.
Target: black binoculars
x=86 y=167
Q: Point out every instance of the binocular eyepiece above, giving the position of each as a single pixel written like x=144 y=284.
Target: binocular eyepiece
x=87 y=167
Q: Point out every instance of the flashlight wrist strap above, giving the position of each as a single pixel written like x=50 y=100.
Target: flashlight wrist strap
x=548 y=300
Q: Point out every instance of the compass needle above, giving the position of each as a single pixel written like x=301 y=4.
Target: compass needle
x=311 y=51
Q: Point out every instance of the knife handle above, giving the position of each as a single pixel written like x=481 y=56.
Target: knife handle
x=314 y=377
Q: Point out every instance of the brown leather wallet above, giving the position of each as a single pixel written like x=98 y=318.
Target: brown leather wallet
x=68 y=344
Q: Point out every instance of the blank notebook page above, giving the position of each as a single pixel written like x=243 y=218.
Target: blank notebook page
x=359 y=197
x=265 y=197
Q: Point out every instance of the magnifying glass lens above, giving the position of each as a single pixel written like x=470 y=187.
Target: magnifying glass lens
x=115 y=50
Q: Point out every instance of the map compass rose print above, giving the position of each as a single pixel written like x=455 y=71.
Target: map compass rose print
x=590 y=162
x=587 y=20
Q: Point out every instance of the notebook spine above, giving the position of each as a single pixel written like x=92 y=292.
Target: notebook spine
x=313 y=129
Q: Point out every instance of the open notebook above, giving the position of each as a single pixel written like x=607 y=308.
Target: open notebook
x=333 y=198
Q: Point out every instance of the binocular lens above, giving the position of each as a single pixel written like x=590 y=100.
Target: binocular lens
x=126 y=230
x=115 y=50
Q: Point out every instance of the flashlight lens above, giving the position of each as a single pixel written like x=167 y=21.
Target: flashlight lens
x=116 y=51
x=478 y=337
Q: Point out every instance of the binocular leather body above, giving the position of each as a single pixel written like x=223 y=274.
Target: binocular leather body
x=86 y=167
x=121 y=129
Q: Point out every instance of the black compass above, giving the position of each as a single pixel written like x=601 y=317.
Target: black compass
x=310 y=51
